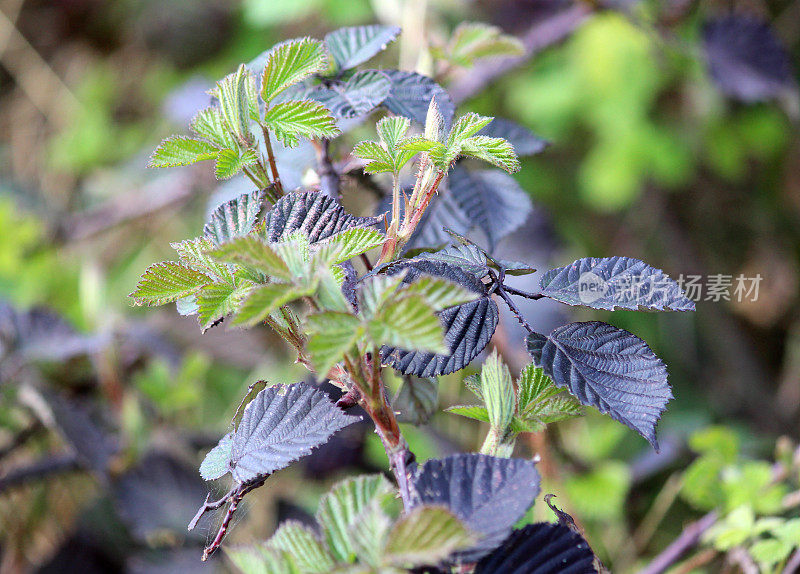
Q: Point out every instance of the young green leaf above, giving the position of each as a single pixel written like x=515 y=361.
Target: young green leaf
x=369 y=535
x=230 y=162
x=300 y=118
x=426 y=535
x=408 y=323
x=250 y=251
x=439 y=293
x=209 y=124
x=388 y=155
x=303 y=545
x=180 y=150
x=466 y=126
x=340 y=509
x=259 y=560
x=195 y=253
x=474 y=40
x=496 y=151
x=497 y=390
x=353 y=242
x=218 y=300
x=166 y=282
x=264 y=300
x=236 y=94
x=392 y=130
x=332 y=335
x=380 y=161
x=289 y=63
x=217 y=463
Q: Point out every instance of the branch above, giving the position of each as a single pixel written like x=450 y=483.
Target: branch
x=21 y=438
x=688 y=538
x=538 y=37
x=39 y=470
x=329 y=180
x=234 y=496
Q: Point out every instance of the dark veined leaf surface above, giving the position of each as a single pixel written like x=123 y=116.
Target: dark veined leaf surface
x=606 y=368
x=234 y=218
x=541 y=548
x=280 y=425
x=317 y=215
x=411 y=95
x=488 y=494
x=467 y=257
x=523 y=140
x=614 y=283
x=355 y=45
x=468 y=327
x=417 y=400
x=491 y=200
x=746 y=59
x=361 y=94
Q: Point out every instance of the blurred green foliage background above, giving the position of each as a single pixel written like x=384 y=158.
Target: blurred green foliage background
x=648 y=158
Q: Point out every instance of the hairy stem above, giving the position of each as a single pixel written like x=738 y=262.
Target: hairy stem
x=276 y=180
x=329 y=180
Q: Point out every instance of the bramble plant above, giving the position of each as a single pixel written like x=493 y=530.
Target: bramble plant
x=406 y=289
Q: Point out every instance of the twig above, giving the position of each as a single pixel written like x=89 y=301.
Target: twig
x=534 y=296
x=538 y=37
x=21 y=438
x=743 y=560
x=688 y=538
x=209 y=506
x=793 y=565
x=165 y=190
x=39 y=470
x=329 y=180
x=235 y=496
x=700 y=559
x=276 y=180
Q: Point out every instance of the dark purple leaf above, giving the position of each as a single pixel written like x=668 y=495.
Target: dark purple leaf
x=745 y=58
x=468 y=327
x=488 y=494
x=606 y=368
x=282 y=424
x=411 y=95
x=491 y=199
x=541 y=548
x=614 y=283
x=352 y=46
x=234 y=218
x=357 y=96
x=317 y=215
